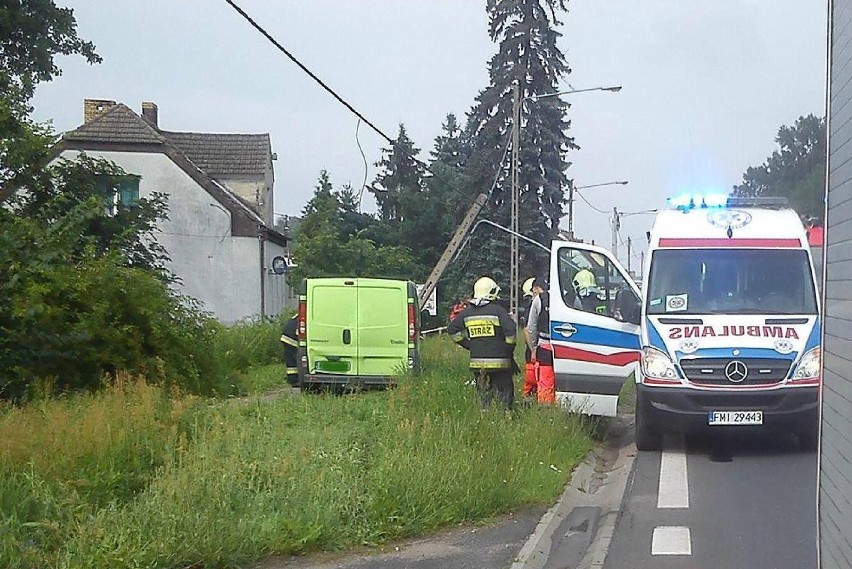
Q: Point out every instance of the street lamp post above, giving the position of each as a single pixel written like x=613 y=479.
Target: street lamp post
x=514 y=284
x=572 y=189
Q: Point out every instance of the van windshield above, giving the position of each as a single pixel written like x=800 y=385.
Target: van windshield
x=731 y=281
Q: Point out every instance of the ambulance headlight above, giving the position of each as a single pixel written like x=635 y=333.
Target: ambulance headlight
x=810 y=366
x=657 y=365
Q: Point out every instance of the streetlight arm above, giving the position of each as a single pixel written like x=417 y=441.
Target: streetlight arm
x=624 y=183
x=614 y=89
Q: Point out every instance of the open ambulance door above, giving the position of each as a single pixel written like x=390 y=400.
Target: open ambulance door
x=594 y=332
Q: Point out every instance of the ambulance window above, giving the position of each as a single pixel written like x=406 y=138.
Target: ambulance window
x=733 y=281
x=589 y=281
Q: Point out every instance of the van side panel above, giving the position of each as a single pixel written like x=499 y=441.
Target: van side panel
x=332 y=330
x=383 y=327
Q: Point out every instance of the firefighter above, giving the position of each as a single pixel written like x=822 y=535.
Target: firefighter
x=538 y=334
x=487 y=331
x=529 y=390
x=587 y=294
x=290 y=339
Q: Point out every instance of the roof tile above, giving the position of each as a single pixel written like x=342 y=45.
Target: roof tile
x=117 y=124
x=224 y=154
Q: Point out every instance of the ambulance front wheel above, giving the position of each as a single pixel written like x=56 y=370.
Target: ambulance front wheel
x=647 y=438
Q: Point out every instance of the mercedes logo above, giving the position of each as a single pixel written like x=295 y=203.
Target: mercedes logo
x=736 y=371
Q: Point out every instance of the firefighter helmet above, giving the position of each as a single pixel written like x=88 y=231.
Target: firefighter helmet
x=528 y=286
x=584 y=283
x=486 y=288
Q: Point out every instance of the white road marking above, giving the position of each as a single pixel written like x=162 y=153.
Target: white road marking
x=671 y=540
x=674 y=488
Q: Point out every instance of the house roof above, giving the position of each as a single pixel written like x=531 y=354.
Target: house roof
x=217 y=155
x=203 y=157
x=222 y=155
x=118 y=124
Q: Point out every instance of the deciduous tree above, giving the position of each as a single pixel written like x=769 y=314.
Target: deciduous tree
x=796 y=170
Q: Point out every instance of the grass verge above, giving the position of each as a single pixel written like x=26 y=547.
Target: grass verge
x=133 y=478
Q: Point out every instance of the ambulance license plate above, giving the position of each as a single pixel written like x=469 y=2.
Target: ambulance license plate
x=735 y=418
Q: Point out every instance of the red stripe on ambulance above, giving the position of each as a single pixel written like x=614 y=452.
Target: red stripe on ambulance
x=617 y=359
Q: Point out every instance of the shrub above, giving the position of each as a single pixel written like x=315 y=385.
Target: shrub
x=74 y=325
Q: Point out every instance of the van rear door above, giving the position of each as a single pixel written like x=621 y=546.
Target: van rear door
x=332 y=330
x=383 y=327
x=594 y=349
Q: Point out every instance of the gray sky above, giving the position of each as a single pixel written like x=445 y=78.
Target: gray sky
x=706 y=84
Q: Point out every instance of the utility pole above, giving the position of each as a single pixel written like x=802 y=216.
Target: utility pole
x=628 y=256
x=516 y=130
x=571 y=210
x=616 y=225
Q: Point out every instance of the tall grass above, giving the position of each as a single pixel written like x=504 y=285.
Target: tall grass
x=62 y=461
x=248 y=343
x=234 y=483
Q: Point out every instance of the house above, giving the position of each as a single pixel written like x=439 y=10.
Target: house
x=219 y=235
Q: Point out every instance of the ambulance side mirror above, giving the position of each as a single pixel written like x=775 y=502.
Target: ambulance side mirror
x=627 y=307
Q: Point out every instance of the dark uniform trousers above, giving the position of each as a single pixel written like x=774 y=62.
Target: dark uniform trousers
x=289 y=337
x=488 y=332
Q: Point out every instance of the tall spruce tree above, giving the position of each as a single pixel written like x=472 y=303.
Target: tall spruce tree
x=400 y=174
x=528 y=55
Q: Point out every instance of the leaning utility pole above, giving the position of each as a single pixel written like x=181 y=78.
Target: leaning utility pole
x=516 y=130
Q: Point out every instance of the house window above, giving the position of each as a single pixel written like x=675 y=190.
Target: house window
x=120 y=192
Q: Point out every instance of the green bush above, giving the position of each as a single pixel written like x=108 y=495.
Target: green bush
x=251 y=342
x=71 y=326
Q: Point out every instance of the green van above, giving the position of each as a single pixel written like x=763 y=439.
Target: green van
x=357 y=332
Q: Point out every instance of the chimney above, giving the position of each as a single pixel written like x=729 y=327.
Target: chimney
x=94 y=107
x=149 y=113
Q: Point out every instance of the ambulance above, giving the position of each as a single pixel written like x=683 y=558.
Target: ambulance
x=725 y=335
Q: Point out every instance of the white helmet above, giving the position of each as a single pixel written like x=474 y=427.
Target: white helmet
x=584 y=283
x=528 y=286
x=486 y=288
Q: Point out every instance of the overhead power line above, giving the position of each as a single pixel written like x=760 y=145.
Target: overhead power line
x=310 y=73
x=354 y=111
x=597 y=209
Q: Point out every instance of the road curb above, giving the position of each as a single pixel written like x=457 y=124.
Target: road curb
x=615 y=495
x=593 y=485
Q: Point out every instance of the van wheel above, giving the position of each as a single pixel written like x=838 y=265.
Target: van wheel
x=646 y=437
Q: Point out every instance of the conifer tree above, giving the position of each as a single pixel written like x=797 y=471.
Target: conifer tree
x=529 y=56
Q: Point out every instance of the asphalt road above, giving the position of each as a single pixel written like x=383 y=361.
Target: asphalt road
x=722 y=501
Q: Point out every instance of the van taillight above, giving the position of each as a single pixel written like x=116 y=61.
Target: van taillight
x=412 y=323
x=303 y=318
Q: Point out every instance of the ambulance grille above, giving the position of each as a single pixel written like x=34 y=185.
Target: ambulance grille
x=711 y=371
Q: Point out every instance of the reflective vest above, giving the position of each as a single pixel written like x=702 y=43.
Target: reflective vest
x=488 y=332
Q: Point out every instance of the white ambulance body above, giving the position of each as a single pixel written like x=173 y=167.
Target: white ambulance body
x=727 y=337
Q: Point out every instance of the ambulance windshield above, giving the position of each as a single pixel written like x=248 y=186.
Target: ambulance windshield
x=731 y=281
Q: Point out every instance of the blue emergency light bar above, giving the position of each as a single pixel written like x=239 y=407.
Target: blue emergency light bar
x=686 y=202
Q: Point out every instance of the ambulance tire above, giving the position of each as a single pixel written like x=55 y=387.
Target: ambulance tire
x=647 y=438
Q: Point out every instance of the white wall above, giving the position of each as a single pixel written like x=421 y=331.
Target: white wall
x=253 y=192
x=835 y=474
x=221 y=271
